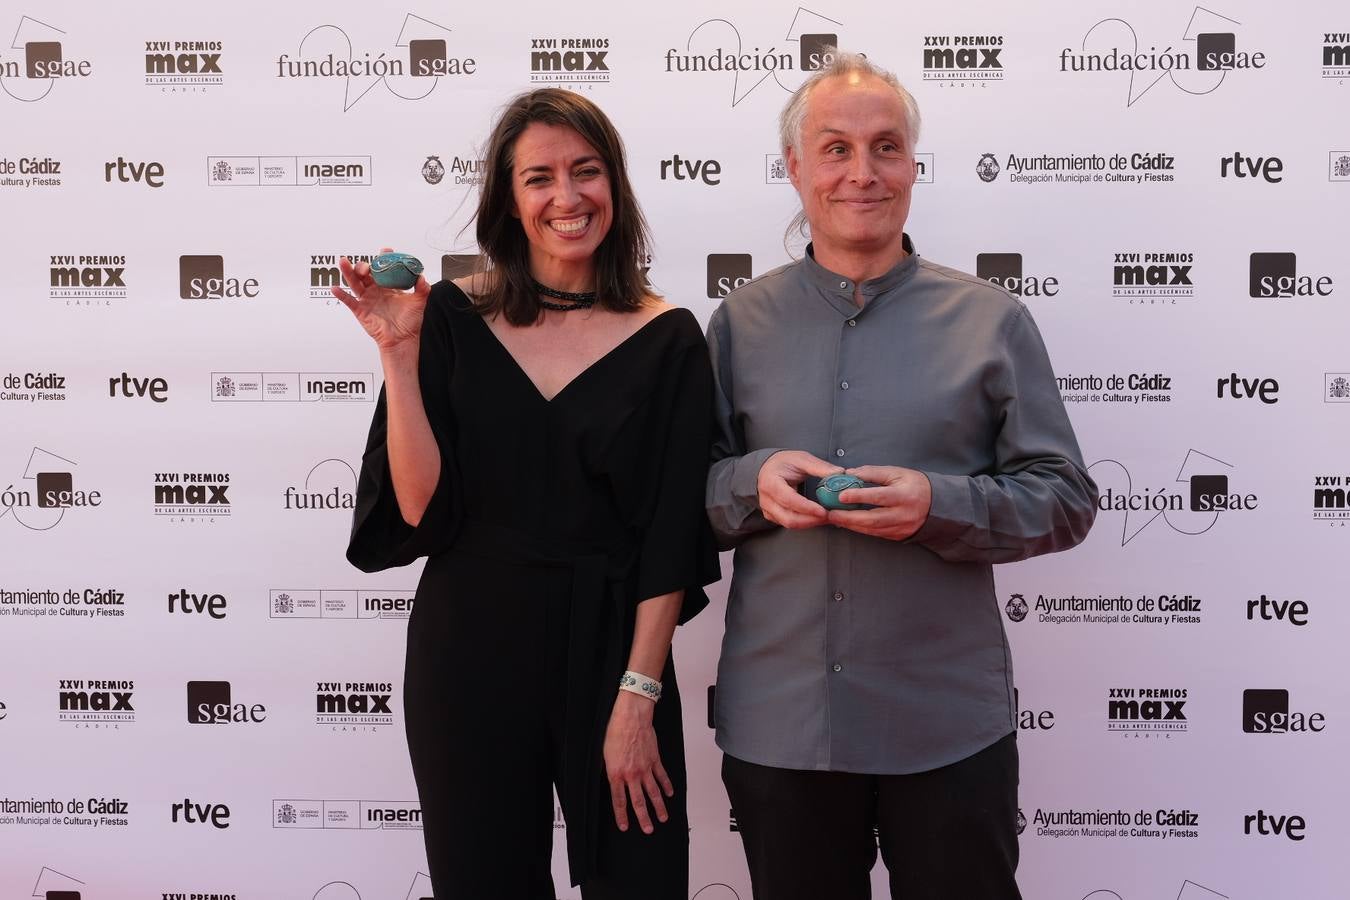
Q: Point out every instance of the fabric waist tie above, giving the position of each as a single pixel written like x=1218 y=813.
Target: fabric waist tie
x=594 y=648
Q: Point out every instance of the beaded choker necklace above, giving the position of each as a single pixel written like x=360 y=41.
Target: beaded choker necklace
x=577 y=300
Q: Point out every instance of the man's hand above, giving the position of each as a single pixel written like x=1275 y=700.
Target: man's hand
x=779 y=478
x=901 y=497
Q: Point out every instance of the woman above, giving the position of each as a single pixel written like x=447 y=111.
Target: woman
x=542 y=436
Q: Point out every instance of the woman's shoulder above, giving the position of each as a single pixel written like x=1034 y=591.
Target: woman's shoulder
x=677 y=320
x=453 y=296
x=667 y=335
x=475 y=284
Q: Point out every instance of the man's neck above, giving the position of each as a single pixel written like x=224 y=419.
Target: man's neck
x=860 y=264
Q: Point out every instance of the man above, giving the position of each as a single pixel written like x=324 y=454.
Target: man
x=865 y=677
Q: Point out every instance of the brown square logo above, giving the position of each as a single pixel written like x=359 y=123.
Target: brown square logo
x=817 y=50
x=44 y=58
x=55 y=489
x=200 y=277
x=726 y=272
x=458 y=265
x=208 y=702
x=426 y=57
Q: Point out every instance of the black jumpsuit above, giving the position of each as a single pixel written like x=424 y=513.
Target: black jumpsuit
x=551 y=520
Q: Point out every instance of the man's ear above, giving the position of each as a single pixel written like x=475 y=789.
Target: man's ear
x=793 y=165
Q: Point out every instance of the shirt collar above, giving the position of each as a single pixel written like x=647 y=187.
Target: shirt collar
x=835 y=284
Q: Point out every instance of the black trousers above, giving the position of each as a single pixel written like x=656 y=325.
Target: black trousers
x=484 y=691
x=947 y=834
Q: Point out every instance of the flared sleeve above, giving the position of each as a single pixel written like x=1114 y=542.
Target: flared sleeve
x=678 y=551
x=380 y=537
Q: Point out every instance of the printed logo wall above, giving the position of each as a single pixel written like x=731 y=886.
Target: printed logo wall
x=188 y=661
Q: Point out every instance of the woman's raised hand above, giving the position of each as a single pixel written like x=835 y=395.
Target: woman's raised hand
x=390 y=316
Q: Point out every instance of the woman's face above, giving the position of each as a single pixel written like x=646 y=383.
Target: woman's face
x=561 y=194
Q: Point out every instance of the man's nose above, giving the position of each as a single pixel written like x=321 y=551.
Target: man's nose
x=861 y=170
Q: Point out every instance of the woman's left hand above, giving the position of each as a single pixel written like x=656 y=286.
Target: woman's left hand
x=633 y=763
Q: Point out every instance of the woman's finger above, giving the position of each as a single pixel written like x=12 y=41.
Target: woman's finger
x=351 y=275
x=654 y=793
x=640 y=806
x=347 y=300
x=620 y=804
x=663 y=779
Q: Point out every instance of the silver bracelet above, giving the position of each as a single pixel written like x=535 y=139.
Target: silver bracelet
x=637 y=683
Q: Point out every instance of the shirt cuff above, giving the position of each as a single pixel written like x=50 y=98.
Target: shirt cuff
x=950 y=512
x=745 y=478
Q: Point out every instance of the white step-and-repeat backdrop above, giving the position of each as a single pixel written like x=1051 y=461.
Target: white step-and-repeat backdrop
x=183 y=405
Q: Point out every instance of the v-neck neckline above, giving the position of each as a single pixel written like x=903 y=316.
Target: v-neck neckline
x=515 y=364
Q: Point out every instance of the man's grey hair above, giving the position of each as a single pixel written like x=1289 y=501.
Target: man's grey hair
x=841 y=64
x=794 y=113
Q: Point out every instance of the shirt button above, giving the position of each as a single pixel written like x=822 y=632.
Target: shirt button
x=838 y=595
x=843 y=385
x=852 y=323
x=839 y=452
x=843 y=284
x=838 y=668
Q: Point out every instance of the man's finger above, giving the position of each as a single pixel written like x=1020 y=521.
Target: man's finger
x=789 y=519
x=792 y=521
x=782 y=494
x=616 y=800
x=860 y=529
x=864 y=520
x=878 y=474
x=883 y=495
x=815 y=466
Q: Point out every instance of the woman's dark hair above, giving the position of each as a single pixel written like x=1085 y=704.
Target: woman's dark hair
x=619 y=282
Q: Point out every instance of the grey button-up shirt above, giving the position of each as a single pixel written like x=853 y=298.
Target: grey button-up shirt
x=851 y=653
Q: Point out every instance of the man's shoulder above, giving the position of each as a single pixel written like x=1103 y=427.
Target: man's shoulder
x=767 y=288
x=760 y=299
x=967 y=287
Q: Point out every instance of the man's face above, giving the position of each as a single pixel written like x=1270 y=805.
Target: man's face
x=853 y=171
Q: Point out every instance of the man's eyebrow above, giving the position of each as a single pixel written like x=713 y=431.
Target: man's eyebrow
x=888 y=132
